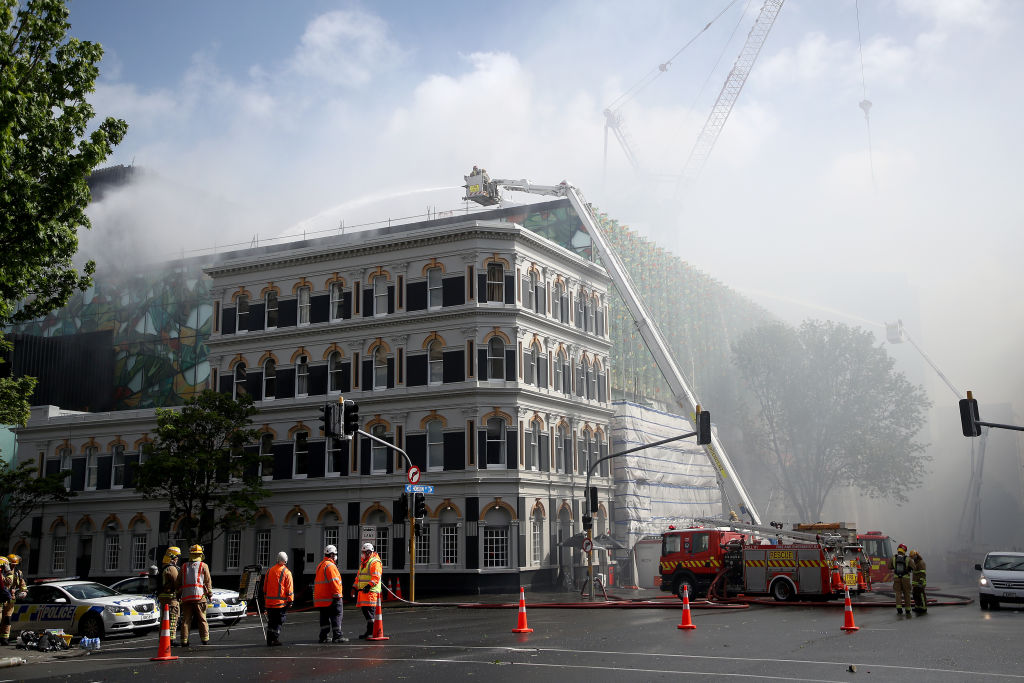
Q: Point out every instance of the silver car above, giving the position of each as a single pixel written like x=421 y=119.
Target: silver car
x=225 y=606
x=87 y=608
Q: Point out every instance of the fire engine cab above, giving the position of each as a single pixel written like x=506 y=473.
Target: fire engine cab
x=721 y=561
x=878 y=548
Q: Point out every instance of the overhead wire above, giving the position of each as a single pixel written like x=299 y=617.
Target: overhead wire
x=865 y=103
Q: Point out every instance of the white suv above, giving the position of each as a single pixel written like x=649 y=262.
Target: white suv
x=1001 y=580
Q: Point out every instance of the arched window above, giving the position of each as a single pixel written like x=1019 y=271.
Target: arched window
x=269 y=379
x=531 y=374
x=537 y=537
x=581 y=378
x=435 y=357
x=303 y=305
x=267 y=456
x=557 y=370
x=117 y=467
x=435 y=295
x=91 y=468
x=591 y=380
x=242 y=313
x=495 y=441
x=271 y=301
x=300 y=460
x=302 y=376
x=334 y=371
x=337 y=301
x=556 y=301
x=563 y=450
x=533 y=445
x=496 y=538
x=380 y=368
x=435 y=446
x=379 y=453
x=495 y=282
x=380 y=296
x=239 y=389
x=496 y=358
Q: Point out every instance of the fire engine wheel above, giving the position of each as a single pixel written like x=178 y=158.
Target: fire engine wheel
x=782 y=590
x=685 y=581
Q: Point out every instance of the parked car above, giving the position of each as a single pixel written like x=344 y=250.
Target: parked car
x=1001 y=580
x=89 y=609
x=225 y=607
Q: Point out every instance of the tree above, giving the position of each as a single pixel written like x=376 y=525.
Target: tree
x=46 y=152
x=21 y=493
x=200 y=466
x=833 y=412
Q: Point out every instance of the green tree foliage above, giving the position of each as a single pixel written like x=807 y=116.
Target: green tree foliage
x=21 y=492
x=833 y=412
x=46 y=151
x=200 y=466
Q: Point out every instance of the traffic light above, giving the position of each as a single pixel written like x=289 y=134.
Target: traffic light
x=588 y=522
x=327 y=418
x=350 y=417
x=703 y=427
x=593 y=499
x=401 y=509
x=969 y=415
x=419 y=506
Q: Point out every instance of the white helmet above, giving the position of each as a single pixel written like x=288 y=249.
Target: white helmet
x=367 y=547
x=330 y=550
x=282 y=557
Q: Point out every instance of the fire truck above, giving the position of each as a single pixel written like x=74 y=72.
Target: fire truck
x=878 y=548
x=721 y=561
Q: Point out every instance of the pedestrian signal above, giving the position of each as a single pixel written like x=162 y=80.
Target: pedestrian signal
x=350 y=417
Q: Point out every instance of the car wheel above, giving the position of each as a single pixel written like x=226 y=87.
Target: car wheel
x=782 y=590
x=993 y=604
x=91 y=626
x=983 y=602
x=685 y=581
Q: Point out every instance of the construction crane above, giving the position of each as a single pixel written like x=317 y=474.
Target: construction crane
x=486 y=192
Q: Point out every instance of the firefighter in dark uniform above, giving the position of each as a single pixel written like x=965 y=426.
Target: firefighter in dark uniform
x=919 y=580
x=900 y=566
x=167 y=593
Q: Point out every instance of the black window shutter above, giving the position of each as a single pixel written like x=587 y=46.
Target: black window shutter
x=511 y=450
x=285 y=383
x=510 y=365
x=601 y=388
x=453 y=291
x=545 y=457
x=510 y=289
x=391 y=298
x=320 y=308
x=367 y=375
x=564 y=308
x=603 y=452
x=317 y=449
x=481 y=368
x=131 y=469
x=346 y=375
x=416 y=447
x=78 y=474
x=542 y=372
x=364 y=456
x=52 y=466
x=416 y=296
x=282 y=460
x=481 y=289
x=257 y=317
x=253 y=469
x=391 y=373
x=481 y=442
x=103 y=466
x=453 y=365
x=226 y=380
x=390 y=459
x=416 y=370
x=368 y=302
x=318 y=379
x=227 y=320
x=288 y=313
x=346 y=305
x=254 y=383
x=542 y=299
x=455 y=450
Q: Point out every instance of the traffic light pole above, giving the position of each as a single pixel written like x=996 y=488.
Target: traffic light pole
x=412 y=517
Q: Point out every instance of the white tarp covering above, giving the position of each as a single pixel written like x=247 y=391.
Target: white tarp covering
x=655 y=487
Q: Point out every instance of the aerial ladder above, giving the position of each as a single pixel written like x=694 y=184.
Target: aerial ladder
x=486 y=192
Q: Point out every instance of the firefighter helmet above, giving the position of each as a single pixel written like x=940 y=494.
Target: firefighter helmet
x=195 y=552
x=901 y=548
x=14 y=559
x=4 y=562
x=172 y=553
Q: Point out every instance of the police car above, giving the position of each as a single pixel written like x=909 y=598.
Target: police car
x=89 y=609
x=224 y=607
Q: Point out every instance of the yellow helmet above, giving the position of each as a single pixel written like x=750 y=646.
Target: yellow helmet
x=172 y=553
x=195 y=551
x=4 y=562
x=14 y=559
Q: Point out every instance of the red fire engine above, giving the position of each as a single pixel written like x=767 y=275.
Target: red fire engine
x=720 y=562
x=878 y=548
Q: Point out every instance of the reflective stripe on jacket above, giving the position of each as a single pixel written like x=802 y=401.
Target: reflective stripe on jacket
x=368 y=581
x=193 y=588
x=326 y=584
x=277 y=588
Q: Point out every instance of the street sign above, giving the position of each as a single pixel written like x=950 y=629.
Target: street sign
x=419 y=488
x=413 y=474
x=588 y=545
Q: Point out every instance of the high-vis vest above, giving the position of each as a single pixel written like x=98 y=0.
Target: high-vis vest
x=277 y=589
x=368 y=581
x=192 y=589
x=326 y=584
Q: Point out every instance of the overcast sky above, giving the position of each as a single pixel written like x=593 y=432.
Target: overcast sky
x=301 y=115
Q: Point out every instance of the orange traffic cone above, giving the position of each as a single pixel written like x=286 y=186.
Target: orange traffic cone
x=848 y=624
x=391 y=591
x=686 y=622
x=378 y=624
x=522 y=627
x=398 y=593
x=164 y=650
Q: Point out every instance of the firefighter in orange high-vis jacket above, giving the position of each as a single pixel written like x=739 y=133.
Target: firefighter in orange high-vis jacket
x=368 y=582
x=195 y=586
x=278 y=595
x=327 y=596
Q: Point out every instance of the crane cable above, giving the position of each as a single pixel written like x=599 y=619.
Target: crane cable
x=865 y=103
x=653 y=74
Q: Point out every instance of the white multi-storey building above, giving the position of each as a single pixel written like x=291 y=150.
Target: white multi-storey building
x=478 y=347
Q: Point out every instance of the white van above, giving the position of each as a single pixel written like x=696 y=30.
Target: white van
x=1001 y=580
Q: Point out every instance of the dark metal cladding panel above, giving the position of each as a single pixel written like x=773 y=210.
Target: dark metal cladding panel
x=368 y=303
x=455 y=450
x=453 y=291
x=511 y=449
x=453 y=366
x=481 y=281
x=481 y=365
x=416 y=370
x=416 y=447
x=227 y=320
x=104 y=464
x=510 y=289
x=318 y=379
x=510 y=365
x=320 y=308
x=282 y=460
x=416 y=296
x=285 y=383
x=288 y=313
x=257 y=317
x=316 y=459
x=77 y=474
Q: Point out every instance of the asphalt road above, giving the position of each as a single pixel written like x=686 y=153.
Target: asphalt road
x=954 y=643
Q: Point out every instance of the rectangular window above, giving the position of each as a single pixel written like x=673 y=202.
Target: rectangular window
x=267 y=453
x=232 y=549
x=139 y=552
x=495 y=282
x=91 y=468
x=117 y=468
x=423 y=544
x=60 y=544
x=380 y=296
x=337 y=450
x=379 y=454
x=111 y=553
x=271 y=300
x=528 y=292
x=495 y=442
x=337 y=300
x=449 y=544
x=331 y=537
x=383 y=546
x=435 y=362
x=242 y=313
x=495 y=546
x=560 y=452
x=301 y=459
x=303 y=305
x=302 y=376
x=533 y=446
x=435 y=446
x=434 y=294
x=538 y=540
x=263 y=548
x=380 y=368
